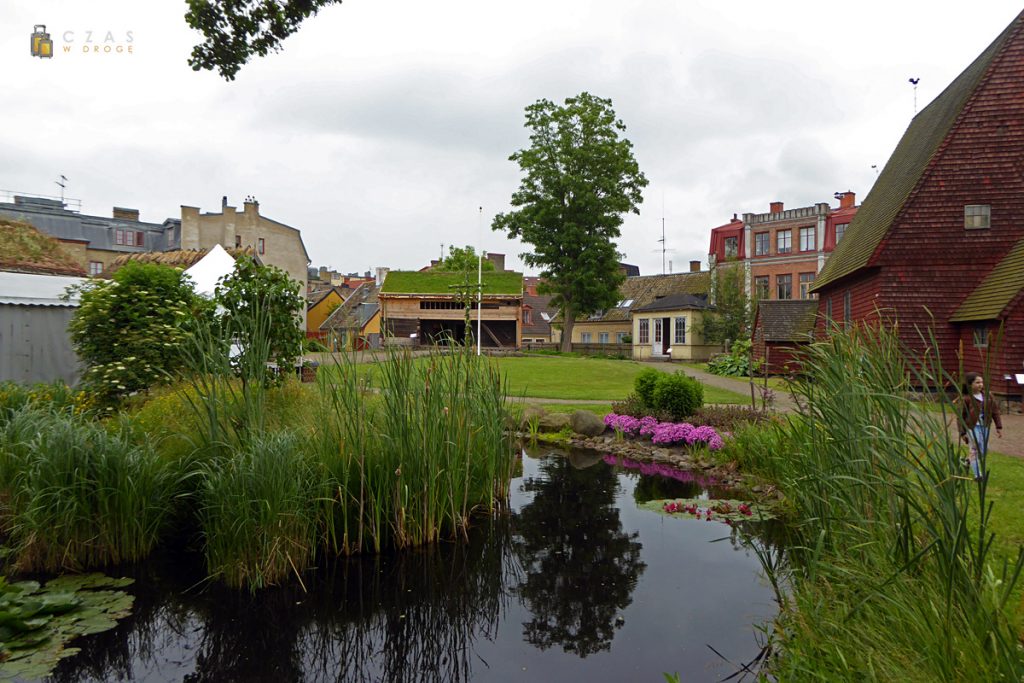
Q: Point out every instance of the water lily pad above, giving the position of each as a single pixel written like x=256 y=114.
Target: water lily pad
x=36 y=623
x=715 y=509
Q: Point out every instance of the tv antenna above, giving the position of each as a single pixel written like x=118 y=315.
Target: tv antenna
x=914 y=82
x=662 y=240
x=62 y=182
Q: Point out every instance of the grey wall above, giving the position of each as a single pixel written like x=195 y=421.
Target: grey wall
x=35 y=346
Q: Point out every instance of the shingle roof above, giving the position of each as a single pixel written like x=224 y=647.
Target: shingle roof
x=675 y=302
x=178 y=258
x=991 y=297
x=788 y=320
x=540 y=304
x=644 y=289
x=25 y=249
x=355 y=311
x=907 y=165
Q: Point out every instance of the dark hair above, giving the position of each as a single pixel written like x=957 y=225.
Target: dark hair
x=969 y=381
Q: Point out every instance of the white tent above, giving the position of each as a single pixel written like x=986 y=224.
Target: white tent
x=211 y=268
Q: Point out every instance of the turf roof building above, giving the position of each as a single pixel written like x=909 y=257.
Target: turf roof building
x=938 y=243
x=429 y=306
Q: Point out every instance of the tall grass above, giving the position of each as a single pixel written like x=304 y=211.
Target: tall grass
x=357 y=471
x=889 y=574
x=414 y=461
x=258 y=512
x=79 y=495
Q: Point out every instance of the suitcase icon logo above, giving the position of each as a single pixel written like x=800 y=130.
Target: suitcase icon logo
x=42 y=46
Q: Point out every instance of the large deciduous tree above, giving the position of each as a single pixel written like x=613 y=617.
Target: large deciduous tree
x=580 y=177
x=236 y=30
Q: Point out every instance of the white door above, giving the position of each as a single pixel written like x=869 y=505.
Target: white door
x=656 y=342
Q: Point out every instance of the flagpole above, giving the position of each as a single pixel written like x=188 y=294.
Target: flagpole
x=479 y=279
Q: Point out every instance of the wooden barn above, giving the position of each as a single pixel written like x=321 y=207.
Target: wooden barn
x=429 y=307
x=938 y=244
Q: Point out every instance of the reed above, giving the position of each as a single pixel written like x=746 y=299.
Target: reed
x=889 y=575
x=258 y=512
x=80 y=495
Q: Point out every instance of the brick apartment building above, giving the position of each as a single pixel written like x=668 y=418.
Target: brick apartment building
x=783 y=250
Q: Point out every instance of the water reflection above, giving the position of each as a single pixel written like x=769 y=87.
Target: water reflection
x=580 y=565
x=574 y=581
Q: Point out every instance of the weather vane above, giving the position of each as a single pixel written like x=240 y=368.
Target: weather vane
x=914 y=82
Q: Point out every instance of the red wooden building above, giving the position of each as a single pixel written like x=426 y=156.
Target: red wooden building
x=939 y=241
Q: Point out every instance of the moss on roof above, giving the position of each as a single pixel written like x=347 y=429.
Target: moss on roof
x=177 y=258
x=23 y=248
x=991 y=297
x=442 y=282
x=907 y=165
x=788 y=320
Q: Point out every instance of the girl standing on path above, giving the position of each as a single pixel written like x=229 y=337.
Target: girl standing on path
x=978 y=410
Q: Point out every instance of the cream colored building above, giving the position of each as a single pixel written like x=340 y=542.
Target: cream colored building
x=669 y=328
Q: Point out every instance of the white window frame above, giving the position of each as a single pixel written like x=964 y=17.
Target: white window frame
x=784 y=241
x=602 y=337
x=808 y=239
x=679 y=330
x=644 y=332
x=977 y=216
x=841 y=231
x=586 y=338
x=765 y=248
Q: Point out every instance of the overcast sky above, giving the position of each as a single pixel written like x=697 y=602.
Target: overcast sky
x=384 y=125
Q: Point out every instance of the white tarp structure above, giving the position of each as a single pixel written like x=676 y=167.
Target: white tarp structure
x=209 y=269
x=34 y=341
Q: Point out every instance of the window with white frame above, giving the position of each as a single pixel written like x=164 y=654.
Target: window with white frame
x=981 y=336
x=645 y=331
x=807 y=239
x=761 y=291
x=761 y=243
x=602 y=338
x=620 y=337
x=783 y=241
x=977 y=216
x=586 y=337
x=95 y=267
x=680 y=331
x=732 y=247
x=841 y=231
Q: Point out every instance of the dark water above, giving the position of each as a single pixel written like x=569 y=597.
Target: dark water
x=575 y=584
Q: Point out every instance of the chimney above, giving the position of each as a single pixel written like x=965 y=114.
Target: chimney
x=775 y=207
x=847 y=200
x=223 y=202
x=497 y=259
x=694 y=266
x=251 y=204
x=381 y=274
x=126 y=214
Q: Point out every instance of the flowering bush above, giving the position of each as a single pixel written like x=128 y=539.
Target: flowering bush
x=665 y=433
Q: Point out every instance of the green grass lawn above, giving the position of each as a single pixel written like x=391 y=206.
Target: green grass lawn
x=1006 y=493
x=575 y=378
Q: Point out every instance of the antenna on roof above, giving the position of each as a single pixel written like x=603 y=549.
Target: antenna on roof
x=62 y=182
x=914 y=82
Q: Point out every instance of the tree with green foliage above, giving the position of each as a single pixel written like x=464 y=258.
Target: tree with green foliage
x=262 y=312
x=732 y=317
x=236 y=30
x=463 y=259
x=129 y=331
x=580 y=177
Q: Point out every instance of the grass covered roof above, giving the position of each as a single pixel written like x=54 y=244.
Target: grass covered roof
x=23 y=248
x=406 y=282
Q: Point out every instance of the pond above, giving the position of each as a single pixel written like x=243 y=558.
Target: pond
x=575 y=583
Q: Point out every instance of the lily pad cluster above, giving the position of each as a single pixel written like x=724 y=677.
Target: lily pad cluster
x=37 y=621
x=728 y=511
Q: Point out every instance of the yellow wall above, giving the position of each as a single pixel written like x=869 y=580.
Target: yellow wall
x=316 y=315
x=372 y=325
x=595 y=330
x=693 y=349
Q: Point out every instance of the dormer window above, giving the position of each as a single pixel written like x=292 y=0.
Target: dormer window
x=977 y=216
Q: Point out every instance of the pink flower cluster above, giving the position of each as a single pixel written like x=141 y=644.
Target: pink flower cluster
x=662 y=470
x=665 y=433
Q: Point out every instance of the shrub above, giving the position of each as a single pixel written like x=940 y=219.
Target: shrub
x=736 y=363
x=678 y=395
x=634 y=407
x=129 y=331
x=643 y=385
x=728 y=418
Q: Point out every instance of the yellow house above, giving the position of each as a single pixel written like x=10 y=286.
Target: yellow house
x=355 y=324
x=321 y=307
x=669 y=327
x=615 y=325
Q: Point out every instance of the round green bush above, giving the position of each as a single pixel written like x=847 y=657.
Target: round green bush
x=644 y=384
x=677 y=394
